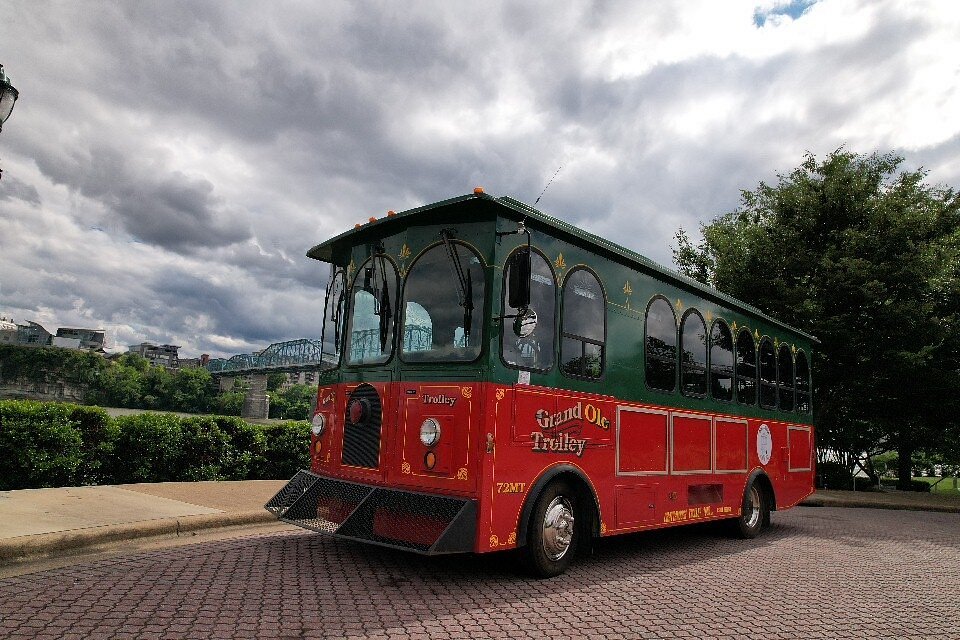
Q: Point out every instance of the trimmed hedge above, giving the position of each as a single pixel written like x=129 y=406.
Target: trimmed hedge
x=55 y=445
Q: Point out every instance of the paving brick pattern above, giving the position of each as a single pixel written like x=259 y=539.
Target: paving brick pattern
x=818 y=573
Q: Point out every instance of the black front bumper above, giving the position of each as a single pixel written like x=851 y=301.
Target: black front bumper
x=420 y=522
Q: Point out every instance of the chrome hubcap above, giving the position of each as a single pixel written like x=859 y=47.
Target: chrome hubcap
x=558 y=528
x=753 y=507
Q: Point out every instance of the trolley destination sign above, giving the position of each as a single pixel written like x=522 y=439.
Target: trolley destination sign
x=504 y=380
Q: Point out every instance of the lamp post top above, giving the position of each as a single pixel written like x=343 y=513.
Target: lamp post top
x=8 y=97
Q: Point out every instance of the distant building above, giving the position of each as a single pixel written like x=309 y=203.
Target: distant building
x=195 y=363
x=32 y=334
x=65 y=343
x=91 y=339
x=8 y=331
x=164 y=355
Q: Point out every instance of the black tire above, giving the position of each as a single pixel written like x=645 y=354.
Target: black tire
x=553 y=532
x=754 y=512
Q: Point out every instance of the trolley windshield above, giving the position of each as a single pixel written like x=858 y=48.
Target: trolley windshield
x=443 y=309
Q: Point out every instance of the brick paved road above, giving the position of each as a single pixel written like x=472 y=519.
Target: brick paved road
x=819 y=573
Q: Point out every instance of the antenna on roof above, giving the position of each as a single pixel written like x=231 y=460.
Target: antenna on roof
x=548 y=185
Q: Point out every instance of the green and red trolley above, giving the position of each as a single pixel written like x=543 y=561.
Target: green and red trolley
x=500 y=379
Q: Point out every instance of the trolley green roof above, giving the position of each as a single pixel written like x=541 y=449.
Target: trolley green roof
x=516 y=210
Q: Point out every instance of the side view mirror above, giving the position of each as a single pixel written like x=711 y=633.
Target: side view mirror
x=525 y=323
x=520 y=279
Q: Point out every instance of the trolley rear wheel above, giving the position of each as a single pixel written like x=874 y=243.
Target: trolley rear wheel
x=754 y=512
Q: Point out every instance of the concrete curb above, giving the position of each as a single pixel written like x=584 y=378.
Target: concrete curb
x=44 y=544
x=854 y=503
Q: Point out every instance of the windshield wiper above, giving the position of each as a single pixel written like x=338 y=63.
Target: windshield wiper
x=464 y=282
x=385 y=312
x=334 y=314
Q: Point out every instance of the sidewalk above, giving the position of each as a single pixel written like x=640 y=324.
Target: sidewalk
x=48 y=522
x=44 y=522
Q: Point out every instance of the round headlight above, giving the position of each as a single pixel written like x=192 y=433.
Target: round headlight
x=430 y=432
x=318 y=424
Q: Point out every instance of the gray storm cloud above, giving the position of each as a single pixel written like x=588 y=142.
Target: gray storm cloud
x=168 y=164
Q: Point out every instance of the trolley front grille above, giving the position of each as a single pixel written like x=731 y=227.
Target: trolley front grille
x=361 y=432
x=390 y=517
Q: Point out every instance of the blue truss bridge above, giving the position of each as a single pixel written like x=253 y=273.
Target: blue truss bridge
x=305 y=354
x=287 y=357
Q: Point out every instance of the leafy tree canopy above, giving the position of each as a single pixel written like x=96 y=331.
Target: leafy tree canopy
x=865 y=256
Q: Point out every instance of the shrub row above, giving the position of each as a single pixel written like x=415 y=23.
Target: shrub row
x=54 y=445
x=832 y=475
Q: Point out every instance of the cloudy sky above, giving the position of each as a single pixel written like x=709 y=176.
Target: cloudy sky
x=168 y=164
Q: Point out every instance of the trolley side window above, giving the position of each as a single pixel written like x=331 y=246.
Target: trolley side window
x=693 y=361
x=746 y=368
x=803 y=383
x=785 y=377
x=331 y=337
x=660 y=345
x=768 y=374
x=582 y=325
x=534 y=351
x=721 y=361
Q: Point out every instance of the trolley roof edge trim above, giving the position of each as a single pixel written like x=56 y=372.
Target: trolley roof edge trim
x=324 y=250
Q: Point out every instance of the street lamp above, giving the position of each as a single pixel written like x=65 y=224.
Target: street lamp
x=8 y=97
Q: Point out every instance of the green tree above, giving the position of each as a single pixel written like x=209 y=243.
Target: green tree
x=275 y=380
x=229 y=403
x=120 y=385
x=191 y=391
x=864 y=256
x=295 y=403
x=158 y=389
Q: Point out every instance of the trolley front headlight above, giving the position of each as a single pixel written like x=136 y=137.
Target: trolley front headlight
x=430 y=432
x=318 y=425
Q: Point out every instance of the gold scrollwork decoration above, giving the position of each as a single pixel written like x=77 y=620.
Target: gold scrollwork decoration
x=466 y=392
x=494 y=541
x=462 y=473
x=405 y=467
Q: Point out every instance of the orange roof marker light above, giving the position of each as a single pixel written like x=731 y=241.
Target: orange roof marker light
x=372 y=219
x=391 y=213
x=356 y=226
x=477 y=190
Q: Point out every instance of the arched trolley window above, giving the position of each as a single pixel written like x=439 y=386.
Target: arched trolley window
x=693 y=354
x=370 y=327
x=721 y=361
x=331 y=336
x=443 y=299
x=803 y=383
x=785 y=377
x=583 y=325
x=768 y=374
x=534 y=351
x=660 y=345
x=746 y=368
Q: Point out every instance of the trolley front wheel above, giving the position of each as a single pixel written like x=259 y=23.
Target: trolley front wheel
x=552 y=533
